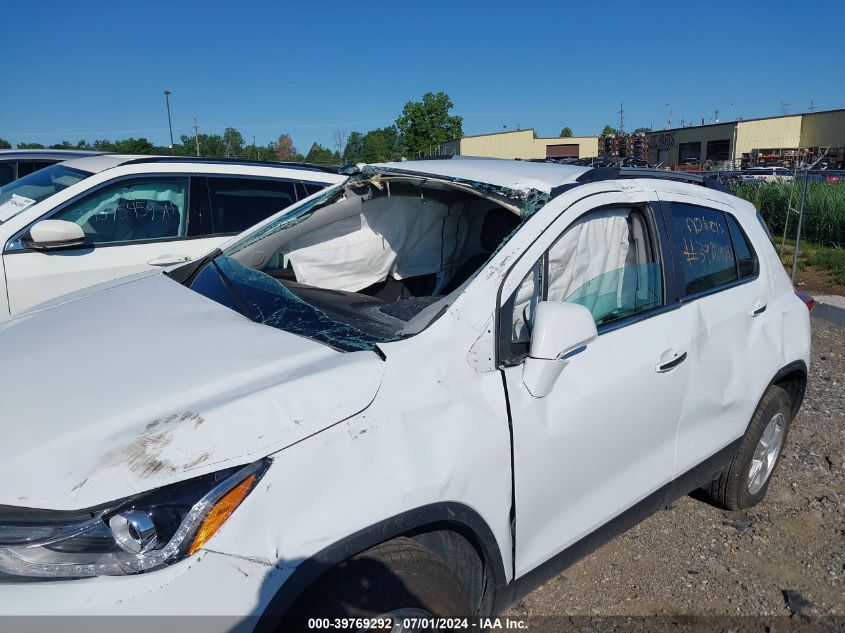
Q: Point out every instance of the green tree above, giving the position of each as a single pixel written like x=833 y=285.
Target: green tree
x=566 y=132
x=4 y=144
x=320 y=155
x=125 y=146
x=379 y=145
x=642 y=130
x=354 y=149
x=233 y=143
x=211 y=145
x=608 y=131
x=375 y=147
x=30 y=146
x=267 y=152
x=424 y=124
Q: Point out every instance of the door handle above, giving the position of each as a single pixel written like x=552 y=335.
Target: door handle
x=169 y=260
x=680 y=357
x=757 y=310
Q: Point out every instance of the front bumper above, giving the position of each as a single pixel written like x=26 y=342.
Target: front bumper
x=207 y=592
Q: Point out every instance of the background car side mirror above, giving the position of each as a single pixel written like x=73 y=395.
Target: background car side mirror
x=559 y=329
x=48 y=234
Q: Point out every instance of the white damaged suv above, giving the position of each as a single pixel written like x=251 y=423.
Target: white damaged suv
x=419 y=392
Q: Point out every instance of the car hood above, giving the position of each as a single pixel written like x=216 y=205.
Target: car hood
x=146 y=383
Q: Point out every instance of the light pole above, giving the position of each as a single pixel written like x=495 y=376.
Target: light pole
x=169 y=122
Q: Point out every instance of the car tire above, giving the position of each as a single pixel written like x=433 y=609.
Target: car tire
x=399 y=578
x=738 y=488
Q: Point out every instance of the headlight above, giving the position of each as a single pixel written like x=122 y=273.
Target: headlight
x=129 y=536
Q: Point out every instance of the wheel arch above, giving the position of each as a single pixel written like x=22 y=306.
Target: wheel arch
x=451 y=530
x=793 y=379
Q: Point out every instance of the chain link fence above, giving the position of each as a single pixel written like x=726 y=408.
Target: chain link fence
x=805 y=212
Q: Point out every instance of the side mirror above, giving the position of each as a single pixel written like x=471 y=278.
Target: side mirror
x=559 y=330
x=48 y=234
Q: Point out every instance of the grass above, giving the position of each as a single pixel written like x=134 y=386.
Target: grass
x=824 y=214
x=820 y=268
x=821 y=256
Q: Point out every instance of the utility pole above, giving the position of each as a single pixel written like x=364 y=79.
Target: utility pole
x=621 y=118
x=670 y=116
x=812 y=106
x=169 y=122
x=716 y=116
x=196 y=135
x=783 y=107
x=255 y=146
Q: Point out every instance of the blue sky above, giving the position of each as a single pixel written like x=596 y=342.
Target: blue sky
x=98 y=69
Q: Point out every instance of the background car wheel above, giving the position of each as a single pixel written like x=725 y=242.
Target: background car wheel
x=744 y=482
x=395 y=579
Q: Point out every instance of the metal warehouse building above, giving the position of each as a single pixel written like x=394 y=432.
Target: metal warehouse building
x=771 y=140
x=522 y=144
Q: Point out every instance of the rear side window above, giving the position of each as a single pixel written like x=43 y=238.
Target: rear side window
x=702 y=243
x=746 y=262
x=25 y=168
x=239 y=203
x=313 y=187
x=7 y=173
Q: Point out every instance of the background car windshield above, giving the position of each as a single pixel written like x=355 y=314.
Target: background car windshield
x=37 y=186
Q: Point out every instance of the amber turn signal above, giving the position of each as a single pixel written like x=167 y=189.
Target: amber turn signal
x=221 y=511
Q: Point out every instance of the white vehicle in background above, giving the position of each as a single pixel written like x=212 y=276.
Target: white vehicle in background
x=17 y=163
x=93 y=219
x=420 y=392
x=767 y=174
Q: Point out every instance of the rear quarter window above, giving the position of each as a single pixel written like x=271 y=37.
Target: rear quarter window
x=746 y=259
x=239 y=203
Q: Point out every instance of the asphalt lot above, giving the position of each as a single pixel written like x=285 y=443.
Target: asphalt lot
x=696 y=560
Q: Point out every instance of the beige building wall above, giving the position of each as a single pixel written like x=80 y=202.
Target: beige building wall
x=825 y=129
x=518 y=144
x=776 y=133
x=783 y=132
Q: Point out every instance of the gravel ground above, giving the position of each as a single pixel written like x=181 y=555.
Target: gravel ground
x=696 y=560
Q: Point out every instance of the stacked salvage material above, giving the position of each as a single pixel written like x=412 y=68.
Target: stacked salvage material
x=609 y=145
x=624 y=146
x=639 y=146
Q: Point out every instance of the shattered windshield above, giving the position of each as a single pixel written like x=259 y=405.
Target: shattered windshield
x=363 y=263
x=266 y=300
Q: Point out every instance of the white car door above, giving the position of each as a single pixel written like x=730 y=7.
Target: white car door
x=604 y=437
x=130 y=225
x=723 y=291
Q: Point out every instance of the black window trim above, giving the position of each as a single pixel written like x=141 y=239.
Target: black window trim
x=680 y=294
x=653 y=214
x=751 y=251
x=207 y=191
x=92 y=191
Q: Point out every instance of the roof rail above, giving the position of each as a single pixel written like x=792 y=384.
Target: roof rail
x=232 y=161
x=598 y=174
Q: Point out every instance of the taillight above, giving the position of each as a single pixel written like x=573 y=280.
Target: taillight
x=807 y=299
